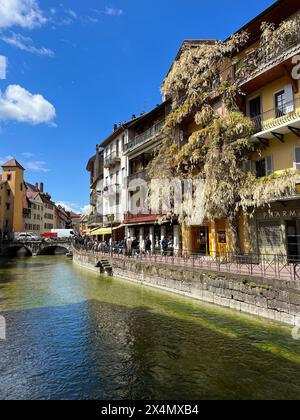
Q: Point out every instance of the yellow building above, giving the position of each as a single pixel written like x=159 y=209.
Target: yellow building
x=271 y=98
x=12 y=193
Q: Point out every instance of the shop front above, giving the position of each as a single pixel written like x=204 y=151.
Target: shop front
x=210 y=239
x=276 y=230
x=156 y=233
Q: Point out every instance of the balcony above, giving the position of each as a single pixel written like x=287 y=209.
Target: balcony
x=108 y=221
x=140 y=217
x=95 y=220
x=141 y=175
x=255 y=70
x=111 y=160
x=278 y=121
x=144 y=138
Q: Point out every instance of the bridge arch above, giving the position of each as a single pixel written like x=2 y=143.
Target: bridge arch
x=53 y=250
x=15 y=250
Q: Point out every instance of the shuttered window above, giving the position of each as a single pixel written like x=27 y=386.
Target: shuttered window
x=264 y=167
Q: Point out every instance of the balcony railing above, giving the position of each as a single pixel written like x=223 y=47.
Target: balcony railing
x=142 y=216
x=144 y=137
x=277 y=117
x=111 y=159
x=144 y=175
x=95 y=219
x=250 y=66
x=108 y=220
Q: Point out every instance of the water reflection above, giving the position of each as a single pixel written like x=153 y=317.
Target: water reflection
x=73 y=335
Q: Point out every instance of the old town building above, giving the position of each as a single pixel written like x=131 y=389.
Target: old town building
x=270 y=96
x=12 y=192
x=25 y=207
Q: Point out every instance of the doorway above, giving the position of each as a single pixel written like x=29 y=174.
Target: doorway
x=293 y=240
x=255 y=113
x=204 y=241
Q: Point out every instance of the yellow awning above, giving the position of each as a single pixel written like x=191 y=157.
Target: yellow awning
x=103 y=231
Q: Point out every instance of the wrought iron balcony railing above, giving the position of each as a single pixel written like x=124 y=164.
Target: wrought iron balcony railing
x=255 y=62
x=143 y=175
x=143 y=138
x=277 y=117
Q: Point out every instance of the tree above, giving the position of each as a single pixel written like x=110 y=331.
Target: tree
x=199 y=81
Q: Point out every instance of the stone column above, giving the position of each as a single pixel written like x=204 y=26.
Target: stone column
x=151 y=235
x=162 y=232
x=142 y=239
x=176 y=239
x=214 y=249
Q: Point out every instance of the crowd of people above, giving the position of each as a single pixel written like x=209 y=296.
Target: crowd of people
x=130 y=247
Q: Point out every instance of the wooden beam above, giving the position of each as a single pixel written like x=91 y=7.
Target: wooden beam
x=278 y=136
x=294 y=130
x=263 y=141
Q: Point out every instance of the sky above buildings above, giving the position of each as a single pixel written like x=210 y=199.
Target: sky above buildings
x=70 y=69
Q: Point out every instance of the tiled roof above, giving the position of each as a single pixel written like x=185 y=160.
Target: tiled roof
x=32 y=195
x=13 y=163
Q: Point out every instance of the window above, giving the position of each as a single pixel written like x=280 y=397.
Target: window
x=264 y=167
x=280 y=104
x=8 y=193
x=297 y=158
x=9 y=177
x=7 y=206
x=270 y=234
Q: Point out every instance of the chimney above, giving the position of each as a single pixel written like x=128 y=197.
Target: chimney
x=115 y=127
x=41 y=187
x=97 y=163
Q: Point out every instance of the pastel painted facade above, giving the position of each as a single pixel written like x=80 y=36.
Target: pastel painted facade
x=12 y=192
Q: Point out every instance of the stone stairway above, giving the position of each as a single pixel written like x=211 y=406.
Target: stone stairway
x=105 y=267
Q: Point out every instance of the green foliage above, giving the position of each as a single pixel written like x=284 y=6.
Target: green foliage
x=220 y=145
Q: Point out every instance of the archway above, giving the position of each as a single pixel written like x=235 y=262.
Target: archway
x=16 y=251
x=53 y=250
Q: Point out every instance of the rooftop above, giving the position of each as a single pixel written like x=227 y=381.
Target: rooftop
x=13 y=163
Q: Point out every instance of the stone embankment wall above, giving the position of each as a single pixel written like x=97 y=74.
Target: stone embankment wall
x=273 y=299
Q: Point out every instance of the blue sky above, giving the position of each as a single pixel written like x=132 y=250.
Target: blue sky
x=93 y=63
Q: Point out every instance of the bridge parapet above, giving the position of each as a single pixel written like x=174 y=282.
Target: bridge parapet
x=33 y=247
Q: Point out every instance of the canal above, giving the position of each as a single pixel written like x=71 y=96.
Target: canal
x=74 y=335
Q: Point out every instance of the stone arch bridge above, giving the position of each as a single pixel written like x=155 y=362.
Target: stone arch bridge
x=11 y=248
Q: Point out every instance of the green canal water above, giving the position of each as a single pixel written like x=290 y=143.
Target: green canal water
x=74 y=335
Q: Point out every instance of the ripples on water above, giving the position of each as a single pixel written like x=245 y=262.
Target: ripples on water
x=73 y=335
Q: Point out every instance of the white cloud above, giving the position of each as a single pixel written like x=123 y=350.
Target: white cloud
x=17 y=104
x=72 y=13
x=86 y=209
x=75 y=208
x=24 y=13
x=36 y=166
x=3 y=65
x=111 y=11
x=26 y=44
